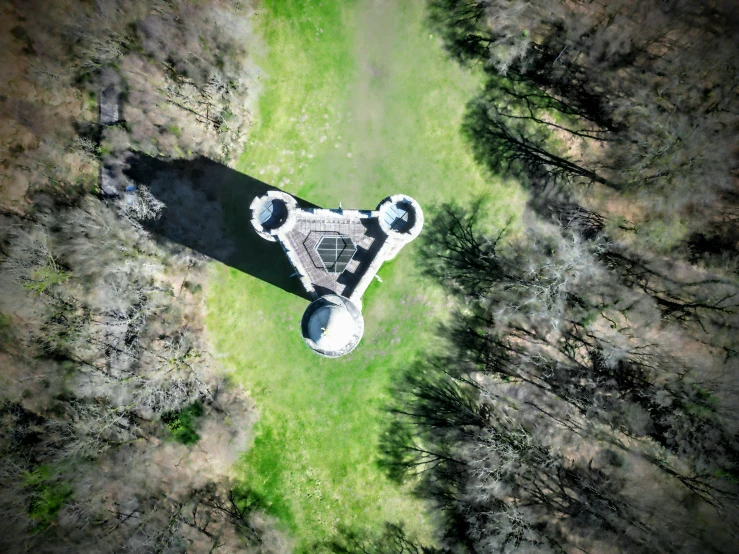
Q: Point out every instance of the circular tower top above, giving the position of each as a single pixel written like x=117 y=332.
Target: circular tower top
x=400 y=217
x=273 y=213
x=332 y=326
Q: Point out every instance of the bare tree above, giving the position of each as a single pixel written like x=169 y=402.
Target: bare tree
x=560 y=376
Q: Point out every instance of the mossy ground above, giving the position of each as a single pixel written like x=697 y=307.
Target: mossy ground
x=359 y=102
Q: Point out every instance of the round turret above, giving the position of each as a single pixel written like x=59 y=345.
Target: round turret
x=401 y=218
x=332 y=326
x=273 y=213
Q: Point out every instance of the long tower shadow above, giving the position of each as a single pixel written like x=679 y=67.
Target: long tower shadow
x=207 y=210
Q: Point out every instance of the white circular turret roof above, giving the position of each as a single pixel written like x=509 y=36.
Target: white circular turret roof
x=332 y=326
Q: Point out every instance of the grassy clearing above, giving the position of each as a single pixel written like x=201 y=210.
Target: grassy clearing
x=359 y=102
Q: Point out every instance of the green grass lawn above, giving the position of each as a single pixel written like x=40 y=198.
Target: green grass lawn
x=359 y=102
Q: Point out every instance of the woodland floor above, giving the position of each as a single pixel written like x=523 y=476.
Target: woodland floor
x=359 y=102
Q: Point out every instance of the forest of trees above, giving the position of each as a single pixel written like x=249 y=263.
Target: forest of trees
x=587 y=400
x=118 y=428
x=627 y=106
x=587 y=397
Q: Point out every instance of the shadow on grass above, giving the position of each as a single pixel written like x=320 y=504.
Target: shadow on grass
x=207 y=210
x=391 y=539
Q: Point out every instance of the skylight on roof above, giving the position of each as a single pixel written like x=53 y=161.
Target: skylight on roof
x=335 y=252
x=272 y=213
x=398 y=216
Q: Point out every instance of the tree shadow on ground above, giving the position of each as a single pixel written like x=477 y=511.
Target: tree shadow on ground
x=207 y=210
x=390 y=539
x=494 y=480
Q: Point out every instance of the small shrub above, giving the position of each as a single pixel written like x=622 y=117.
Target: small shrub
x=183 y=423
x=48 y=496
x=6 y=329
x=194 y=288
x=45 y=277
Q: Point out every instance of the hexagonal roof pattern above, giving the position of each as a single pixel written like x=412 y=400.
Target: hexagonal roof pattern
x=335 y=251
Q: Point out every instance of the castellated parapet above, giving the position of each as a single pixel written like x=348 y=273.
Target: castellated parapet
x=336 y=253
x=273 y=213
x=401 y=218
